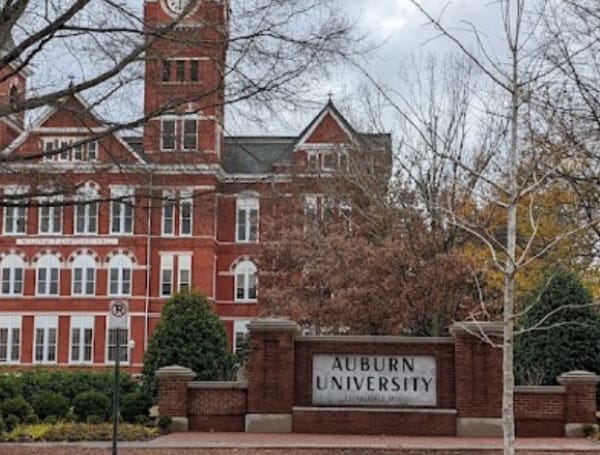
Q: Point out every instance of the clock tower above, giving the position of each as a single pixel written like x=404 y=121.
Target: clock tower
x=184 y=80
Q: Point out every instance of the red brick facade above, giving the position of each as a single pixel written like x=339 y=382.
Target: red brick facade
x=103 y=217
x=280 y=389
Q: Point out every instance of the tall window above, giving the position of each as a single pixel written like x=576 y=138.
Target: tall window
x=185 y=213
x=10 y=339
x=50 y=215
x=15 y=211
x=245 y=282
x=48 y=267
x=121 y=220
x=240 y=334
x=194 y=73
x=190 y=134
x=92 y=151
x=82 y=337
x=247 y=219
x=12 y=269
x=166 y=75
x=180 y=70
x=86 y=211
x=119 y=269
x=84 y=275
x=184 y=265
x=46 y=331
x=167 y=134
x=168 y=213
x=166 y=275
x=123 y=337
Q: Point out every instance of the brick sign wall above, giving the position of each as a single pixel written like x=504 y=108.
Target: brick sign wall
x=375 y=385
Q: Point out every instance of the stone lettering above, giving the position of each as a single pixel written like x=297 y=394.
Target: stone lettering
x=374 y=379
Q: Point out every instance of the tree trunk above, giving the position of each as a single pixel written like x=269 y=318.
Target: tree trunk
x=508 y=380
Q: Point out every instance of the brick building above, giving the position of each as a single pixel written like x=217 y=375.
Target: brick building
x=90 y=216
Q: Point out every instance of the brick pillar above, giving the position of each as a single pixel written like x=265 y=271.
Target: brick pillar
x=172 y=394
x=271 y=376
x=580 y=399
x=478 y=370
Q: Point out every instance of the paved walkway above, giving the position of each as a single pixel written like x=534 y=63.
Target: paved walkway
x=312 y=441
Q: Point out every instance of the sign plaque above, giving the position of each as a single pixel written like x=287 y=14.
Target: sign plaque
x=376 y=380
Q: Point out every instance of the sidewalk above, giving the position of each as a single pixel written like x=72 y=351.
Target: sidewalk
x=314 y=441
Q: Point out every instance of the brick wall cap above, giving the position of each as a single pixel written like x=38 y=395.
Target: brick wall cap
x=175 y=372
x=376 y=339
x=273 y=325
x=541 y=389
x=578 y=377
x=208 y=385
x=477 y=328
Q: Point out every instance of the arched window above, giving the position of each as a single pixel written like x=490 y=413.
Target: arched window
x=86 y=210
x=11 y=268
x=48 y=267
x=84 y=275
x=245 y=282
x=119 y=270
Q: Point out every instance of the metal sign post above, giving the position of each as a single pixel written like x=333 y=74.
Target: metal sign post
x=117 y=320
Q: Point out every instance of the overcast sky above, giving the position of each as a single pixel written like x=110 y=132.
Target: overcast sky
x=395 y=26
x=399 y=30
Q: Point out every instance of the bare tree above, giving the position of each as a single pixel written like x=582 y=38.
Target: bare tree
x=97 y=50
x=518 y=76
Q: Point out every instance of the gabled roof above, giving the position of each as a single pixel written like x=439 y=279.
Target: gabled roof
x=328 y=111
x=87 y=118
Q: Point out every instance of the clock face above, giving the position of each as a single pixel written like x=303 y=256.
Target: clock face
x=177 y=6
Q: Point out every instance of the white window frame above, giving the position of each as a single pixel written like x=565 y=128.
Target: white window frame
x=83 y=324
x=244 y=271
x=124 y=347
x=163 y=119
x=168 y=201
x=167 y=268
x=12 y=263
x=183 y=120
x=122 y=200
x=86 y=200
x=184 y=263
x=313 y=161
x=87 y=265
x=246 y=205
x=240 y=327
x=47 y=262
x=17 y=213
x=52 y=215
x=91 y=148
x=186 y=197
x=12 y=324
x=121 y=263
x=46 y=324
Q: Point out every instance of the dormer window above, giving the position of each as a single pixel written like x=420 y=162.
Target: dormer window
x=328 y=160
x=69 y=149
